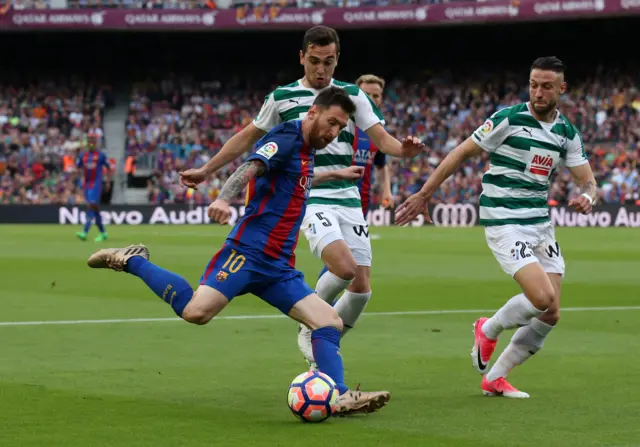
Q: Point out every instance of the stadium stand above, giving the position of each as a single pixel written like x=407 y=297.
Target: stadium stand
x=43 y=126
x=175 y=125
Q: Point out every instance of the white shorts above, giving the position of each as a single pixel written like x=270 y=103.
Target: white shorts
x=324 y=224
x=515 y=246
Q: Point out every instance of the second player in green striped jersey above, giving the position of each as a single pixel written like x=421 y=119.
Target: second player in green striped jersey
x=291 y=102
x=524 y=153
x=526 y=143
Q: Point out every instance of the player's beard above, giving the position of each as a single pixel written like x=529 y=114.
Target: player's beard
x=546 y=109
x=315 y=138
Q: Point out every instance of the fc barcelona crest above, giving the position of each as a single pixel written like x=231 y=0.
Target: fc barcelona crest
x=221 y=276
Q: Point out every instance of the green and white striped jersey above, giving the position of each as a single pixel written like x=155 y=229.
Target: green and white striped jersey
x=524 y=153
x=292 y=102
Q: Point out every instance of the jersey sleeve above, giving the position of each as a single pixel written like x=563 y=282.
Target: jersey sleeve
x=104 y=161
x=492 y=133
x=268 y=117
x=367 y=114
x=380 y=159
x=576 y=155
x=274 y=149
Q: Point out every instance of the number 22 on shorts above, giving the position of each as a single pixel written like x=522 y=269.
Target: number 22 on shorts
x=234 y=262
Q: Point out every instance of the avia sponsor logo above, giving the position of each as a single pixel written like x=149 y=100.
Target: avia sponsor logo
x=553 y=7
x=630 y=4
x=482 y=11
x=541 y=165
x=186 y=18
x=388 y=15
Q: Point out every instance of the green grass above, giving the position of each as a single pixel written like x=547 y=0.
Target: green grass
x=169 y=383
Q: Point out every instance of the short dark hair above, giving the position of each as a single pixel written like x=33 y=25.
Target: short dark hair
x=550 y=63
x=320 y=36
x=335 y=96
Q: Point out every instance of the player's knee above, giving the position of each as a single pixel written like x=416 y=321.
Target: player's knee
x=197 y=315
x=543 y=296
x=551 y=317
x=345 y=269
x=330 y=318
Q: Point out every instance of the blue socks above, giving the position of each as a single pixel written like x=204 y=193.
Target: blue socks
x=99 y=221
x=326 y=352
x=89 y=220
x=173 y=289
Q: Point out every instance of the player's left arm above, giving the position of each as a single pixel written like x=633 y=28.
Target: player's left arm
x=219 y=210
x=369 y=118
x=351 y=173
x=581 y=171
x=409 y=147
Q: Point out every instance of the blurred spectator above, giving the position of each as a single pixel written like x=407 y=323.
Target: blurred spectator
x=185 y=122
x=42 y=128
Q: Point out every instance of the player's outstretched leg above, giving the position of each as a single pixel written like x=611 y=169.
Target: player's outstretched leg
x=341 y=269
x=326 y=326
x=539 y=294
x=103 y=236
x=526 y=342
x=198 y=308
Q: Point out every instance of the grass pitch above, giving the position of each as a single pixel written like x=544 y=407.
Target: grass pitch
x=168 y=383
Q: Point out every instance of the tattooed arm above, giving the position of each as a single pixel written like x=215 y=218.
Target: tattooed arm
x=219 y=210
x=583 y=176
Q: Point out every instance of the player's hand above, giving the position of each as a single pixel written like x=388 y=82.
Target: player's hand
x=219 y=211
x=387 y=200
x=350 y=173
x=411 y=146
x=581 y=204
x=411 y=208
x=191 y=177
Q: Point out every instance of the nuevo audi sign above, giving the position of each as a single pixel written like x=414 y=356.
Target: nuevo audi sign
x=454 y=215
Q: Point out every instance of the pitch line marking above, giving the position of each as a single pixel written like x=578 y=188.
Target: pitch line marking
x=274 y=316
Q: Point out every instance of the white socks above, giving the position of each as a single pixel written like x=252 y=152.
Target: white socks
x=350 y=306
x=525 y=342
x=518 y=311
x=329 y=286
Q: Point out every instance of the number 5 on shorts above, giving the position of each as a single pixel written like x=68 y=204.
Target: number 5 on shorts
x=234 y=262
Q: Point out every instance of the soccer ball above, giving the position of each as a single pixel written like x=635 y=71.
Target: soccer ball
x=313 y=396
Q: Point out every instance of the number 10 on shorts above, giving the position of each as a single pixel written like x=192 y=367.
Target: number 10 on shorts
x=234 y=262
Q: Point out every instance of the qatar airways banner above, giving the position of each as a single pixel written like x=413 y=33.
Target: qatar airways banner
x=291 y=18
x=455 y=215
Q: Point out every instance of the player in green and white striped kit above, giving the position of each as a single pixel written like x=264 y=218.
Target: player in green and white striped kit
x=334 y=223
x=527 y=143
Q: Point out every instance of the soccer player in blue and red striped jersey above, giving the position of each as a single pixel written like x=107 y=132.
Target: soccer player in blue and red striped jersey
x=258 y=256
x=92 y=163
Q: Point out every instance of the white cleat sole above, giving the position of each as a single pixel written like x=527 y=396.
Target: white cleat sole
x=518 y=395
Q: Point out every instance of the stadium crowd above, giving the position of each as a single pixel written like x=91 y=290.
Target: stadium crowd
x=42 y=129
x=185 y=123
x=180 y=123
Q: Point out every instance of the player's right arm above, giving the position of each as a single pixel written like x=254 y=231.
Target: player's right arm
x=219 y=210
x=487 y=137
x=242 y=142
